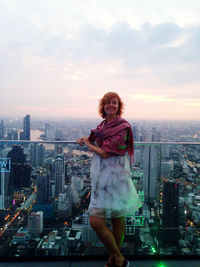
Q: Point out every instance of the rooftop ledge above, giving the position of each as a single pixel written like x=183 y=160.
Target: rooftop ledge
x=74 y=142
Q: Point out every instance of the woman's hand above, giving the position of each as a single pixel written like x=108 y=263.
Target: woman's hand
x=86 y=140
x=93 y=148
x=80 y=141
x=83 y=140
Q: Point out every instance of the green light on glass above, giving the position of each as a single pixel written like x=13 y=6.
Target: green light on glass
x=153 y=249
x=160 y=264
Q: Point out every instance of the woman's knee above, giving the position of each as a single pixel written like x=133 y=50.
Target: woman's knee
x=96 y=222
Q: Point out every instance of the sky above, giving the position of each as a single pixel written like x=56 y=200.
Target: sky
x=58 y=58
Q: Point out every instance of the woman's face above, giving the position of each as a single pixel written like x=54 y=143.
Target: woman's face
x=111 y=107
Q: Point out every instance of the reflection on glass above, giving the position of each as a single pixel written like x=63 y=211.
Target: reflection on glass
x=45 y=195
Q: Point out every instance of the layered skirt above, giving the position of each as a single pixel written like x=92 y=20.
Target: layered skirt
x=113 y=193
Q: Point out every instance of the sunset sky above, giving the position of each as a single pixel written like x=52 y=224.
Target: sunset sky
x=58 y=57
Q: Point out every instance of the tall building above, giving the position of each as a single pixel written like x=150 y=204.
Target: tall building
x=2 y=130
x=59 y=174
x=166 y=168
x=170 y=215
x=49 y=132
x=155 y=135
x=20 y=174
x=5 y=198
x=4 y=190
x=37 y=154
x=47 y=128
x=165 y=151
x=26 y=134
x=35 y=223
x=151 y=167
x=59 y=134
x=135 y=133
x=64 y=206
x=43 y=187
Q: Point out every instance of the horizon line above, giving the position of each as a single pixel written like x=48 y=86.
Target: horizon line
x=96 y=118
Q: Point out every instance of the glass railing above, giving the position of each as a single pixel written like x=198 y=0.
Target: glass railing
x=45 y=192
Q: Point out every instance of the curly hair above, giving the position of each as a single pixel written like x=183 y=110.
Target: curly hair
x=106 y=98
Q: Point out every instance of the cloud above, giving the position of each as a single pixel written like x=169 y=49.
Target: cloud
x=165 y=50
x=161 y=34
x=70 y=52
x=153 y=98
x=193 y=104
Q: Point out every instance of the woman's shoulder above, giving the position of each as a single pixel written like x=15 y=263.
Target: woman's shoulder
x=124 y=125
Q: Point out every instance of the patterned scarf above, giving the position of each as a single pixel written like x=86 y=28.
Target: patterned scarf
x=110 y=129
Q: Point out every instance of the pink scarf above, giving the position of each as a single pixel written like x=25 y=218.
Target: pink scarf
x=110 y=129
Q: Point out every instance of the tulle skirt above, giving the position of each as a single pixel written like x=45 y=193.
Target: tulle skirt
x=113 y=193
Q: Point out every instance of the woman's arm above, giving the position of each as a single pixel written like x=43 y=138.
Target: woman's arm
x=80 y=141
x=95 y=149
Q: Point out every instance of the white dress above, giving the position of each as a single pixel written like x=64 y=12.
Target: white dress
x=113 y=193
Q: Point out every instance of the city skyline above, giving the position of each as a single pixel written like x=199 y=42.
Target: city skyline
x=59 y=58
x=47 y=189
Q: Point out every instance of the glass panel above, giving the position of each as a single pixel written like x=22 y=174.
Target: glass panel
x=45 y=192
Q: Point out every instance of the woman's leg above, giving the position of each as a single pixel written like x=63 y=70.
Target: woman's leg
x=107 y=238
x=118 y=230
x=118 y=225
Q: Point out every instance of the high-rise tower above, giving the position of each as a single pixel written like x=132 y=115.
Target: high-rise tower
x=2 y=131
x=20 y=174
x=43 y=187
x=59 y=174
x=35 y=223
x=170 y=211
x=2 y=190
x=37 y=154
x=26 y=134
x=151 y=165
x=135 y=133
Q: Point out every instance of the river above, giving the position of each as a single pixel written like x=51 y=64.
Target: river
x=35 y=135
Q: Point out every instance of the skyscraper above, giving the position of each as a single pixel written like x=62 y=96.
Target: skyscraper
x=25 y=135
x=20 y=175
x=151 y=166
x=4 y=197
x=37 y=154
x=59 y=174
x=135 y=133
x=2 y=131
x=35 y=223
x=43 y=187
x=2 y=190
x=170 y=211
x=49 y=132
x=27 y=127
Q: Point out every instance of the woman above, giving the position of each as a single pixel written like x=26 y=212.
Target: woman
x=113 y=194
